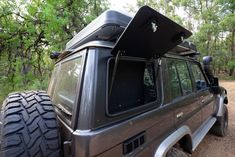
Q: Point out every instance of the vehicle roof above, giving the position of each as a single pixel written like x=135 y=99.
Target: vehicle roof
x=91 y=44
x=110 y=45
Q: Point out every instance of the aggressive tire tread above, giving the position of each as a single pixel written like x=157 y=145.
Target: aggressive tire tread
x=29 y=126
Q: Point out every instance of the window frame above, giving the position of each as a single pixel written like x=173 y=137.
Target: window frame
x=75 y=109
x=179 y=83
x=141 y=108
x=176 y=59
x=190 y=76
x=202 y=72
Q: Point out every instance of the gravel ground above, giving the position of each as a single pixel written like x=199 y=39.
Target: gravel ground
x=213 y=146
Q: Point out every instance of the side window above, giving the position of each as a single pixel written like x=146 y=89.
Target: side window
x=173 y=86
x=178 y=81
x=184 y=76
x=69 y=73
x=133 y=85
x=199 y=78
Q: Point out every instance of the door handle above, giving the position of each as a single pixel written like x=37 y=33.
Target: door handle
x=179 y=115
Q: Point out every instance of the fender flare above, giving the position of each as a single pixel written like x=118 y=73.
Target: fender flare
x=221 y=101
x=171 y=140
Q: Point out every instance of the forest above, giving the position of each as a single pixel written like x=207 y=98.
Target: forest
x=31 y=30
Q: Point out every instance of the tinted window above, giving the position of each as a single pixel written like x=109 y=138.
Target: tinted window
x=185 y=80
x=65 y=90
x=133 y=85
x=173 y=84
x=178 y=81
x=199 y=79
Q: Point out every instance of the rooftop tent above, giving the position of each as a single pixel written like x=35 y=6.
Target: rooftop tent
x=147 y=34
x=108 y=27
x=150 y=34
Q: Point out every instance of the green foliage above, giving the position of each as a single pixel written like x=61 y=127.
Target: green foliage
x=30 y=30
x=231 y=64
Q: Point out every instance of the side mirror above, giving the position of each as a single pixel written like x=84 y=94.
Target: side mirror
x=54 y=55
x=207 y=68
x=207 y=60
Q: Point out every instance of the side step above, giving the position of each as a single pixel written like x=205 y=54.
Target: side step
x=201 y=133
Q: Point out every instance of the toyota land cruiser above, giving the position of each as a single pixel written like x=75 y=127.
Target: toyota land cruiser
x=123 y=87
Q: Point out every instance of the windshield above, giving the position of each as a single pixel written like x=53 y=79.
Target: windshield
x=63 y=87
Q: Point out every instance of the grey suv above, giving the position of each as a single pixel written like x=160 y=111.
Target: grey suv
x=123 y=87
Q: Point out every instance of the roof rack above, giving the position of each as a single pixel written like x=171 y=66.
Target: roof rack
x=186 y=48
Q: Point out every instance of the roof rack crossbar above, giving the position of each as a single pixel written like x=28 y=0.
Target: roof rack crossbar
x=186 y=48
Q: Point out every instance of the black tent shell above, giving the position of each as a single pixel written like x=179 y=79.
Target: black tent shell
x=146 y=35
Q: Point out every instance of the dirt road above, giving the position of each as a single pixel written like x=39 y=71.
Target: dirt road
x=213 y=146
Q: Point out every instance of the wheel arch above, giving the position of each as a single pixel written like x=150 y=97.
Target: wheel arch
x=186 y=143
x=182 y=136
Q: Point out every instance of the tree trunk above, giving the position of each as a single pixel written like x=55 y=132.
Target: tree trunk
x=232 y=43
x=231 y=72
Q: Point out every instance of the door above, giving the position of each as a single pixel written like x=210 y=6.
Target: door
x=181 y=95
x=204 y=97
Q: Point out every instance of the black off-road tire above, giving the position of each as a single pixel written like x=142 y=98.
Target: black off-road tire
x=175 y=152
x=29 y=126
x=221 y=125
